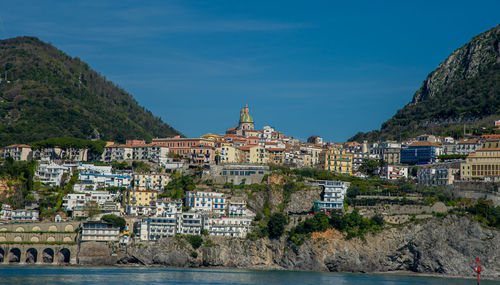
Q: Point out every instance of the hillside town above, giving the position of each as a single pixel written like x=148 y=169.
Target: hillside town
x=130 y=180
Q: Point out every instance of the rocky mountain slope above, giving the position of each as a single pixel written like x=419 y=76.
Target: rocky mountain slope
x=46 y=93
x=446 y=245
x=464 y=89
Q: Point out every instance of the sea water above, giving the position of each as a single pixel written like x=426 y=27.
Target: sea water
x=158 y=275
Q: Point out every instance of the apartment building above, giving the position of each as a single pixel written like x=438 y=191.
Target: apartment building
x=336 y=159
x=483 y=164
x=332 y=195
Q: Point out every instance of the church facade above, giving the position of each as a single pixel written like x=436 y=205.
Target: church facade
x=245 y=124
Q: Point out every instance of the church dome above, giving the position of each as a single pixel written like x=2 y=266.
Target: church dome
x=246 y=118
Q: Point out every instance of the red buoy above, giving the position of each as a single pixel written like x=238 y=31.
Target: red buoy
x=477 y=268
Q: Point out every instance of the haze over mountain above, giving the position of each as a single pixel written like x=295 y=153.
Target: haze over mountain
x=463 y=90
x=46 y=93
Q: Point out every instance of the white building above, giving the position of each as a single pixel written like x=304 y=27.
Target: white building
x=165 y=206
x=93 y=181
x=170 y=224
x=428 y=138
x=462 y=147
x=91 y=168
x=236 y=206
x=206 y=201
x=58 y=153
x=229 y=227
x=437 y=175
x=155 y=181
x=76 y=201
x=170 y=164
x=96 y=231
x=140 y=210
x=50 y=173
x=393 y=172
x=117 y=152
x=159 y=208
x=9 y=214
x=158 y=227
x=190 y=223
x=332 y=196
x=151 y=152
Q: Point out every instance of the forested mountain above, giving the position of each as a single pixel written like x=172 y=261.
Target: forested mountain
x=463 y=90
x=46 y=93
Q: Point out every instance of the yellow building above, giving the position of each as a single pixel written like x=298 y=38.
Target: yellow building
x=228 y=153
x=139 y=198
x=213 y=137
x=276 y=156
x=311 y=153
x=336 y=159
x=483 y=163
x=307 y=160
x=154 y=181
x=254 y=154
x=19 y=152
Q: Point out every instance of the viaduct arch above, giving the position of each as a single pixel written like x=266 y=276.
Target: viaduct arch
x=39 y=243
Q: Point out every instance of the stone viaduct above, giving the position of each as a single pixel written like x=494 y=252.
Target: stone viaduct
x=39 y=243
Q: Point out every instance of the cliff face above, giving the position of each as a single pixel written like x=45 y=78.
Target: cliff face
x=466 y=62
x=464 y=89
x=442 y=245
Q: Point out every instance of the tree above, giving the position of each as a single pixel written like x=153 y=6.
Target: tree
x=414 y=171
x=115 y=220
x=91 y=209
x=369 y=166
x=276 y=225
x=195 y=241
x=378 y=220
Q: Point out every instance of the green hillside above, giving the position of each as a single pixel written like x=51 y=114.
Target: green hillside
x=463 y=90
x=46 y=93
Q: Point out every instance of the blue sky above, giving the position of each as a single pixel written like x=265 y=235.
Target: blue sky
x=307 y=68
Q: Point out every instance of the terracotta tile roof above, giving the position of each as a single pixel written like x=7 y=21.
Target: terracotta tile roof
x=247 y=147
x=120 y=145
x=425 y=143
x=491 y=136
x=18 y=145
x=473 y=141
x=148 y=145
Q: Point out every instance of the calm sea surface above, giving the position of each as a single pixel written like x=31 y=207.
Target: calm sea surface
x=129 y=276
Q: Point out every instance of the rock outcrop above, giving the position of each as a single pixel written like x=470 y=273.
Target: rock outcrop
x=466 y=62
x=463 y=89
x=96 y=253
x=447 y=246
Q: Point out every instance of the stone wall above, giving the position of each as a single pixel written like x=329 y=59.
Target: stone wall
x=477 y=190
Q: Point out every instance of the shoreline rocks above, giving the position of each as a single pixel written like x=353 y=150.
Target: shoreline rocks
x=445 y=246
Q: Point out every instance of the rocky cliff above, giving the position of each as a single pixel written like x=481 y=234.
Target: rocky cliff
x=480 y=54
x=447 y=246
x=464 y=89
